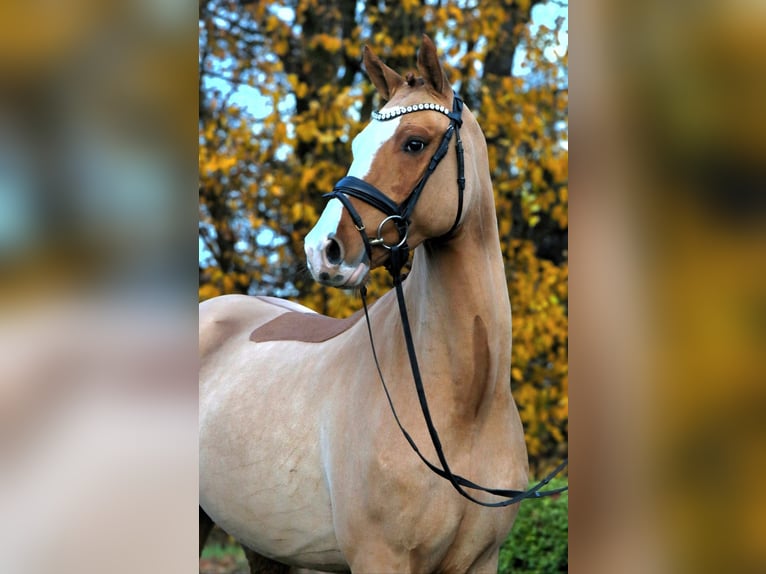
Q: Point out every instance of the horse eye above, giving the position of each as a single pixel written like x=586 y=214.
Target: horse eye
x=414 y=146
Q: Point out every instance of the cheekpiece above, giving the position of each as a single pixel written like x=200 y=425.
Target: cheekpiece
x=396 y=111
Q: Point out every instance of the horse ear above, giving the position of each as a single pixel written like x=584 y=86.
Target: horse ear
x=385 y=79
x=431 y=69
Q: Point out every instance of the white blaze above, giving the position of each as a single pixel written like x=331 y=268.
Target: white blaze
x=327 y=224
x=366 y=145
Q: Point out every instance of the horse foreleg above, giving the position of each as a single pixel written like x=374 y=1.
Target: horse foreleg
x=262 y=565
x=205 y=526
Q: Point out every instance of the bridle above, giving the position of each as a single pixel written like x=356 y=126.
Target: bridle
x=400 y=214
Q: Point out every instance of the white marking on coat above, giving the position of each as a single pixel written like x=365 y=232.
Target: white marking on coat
x=367 y=144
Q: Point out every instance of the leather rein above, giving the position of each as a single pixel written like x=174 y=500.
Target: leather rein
x=399 y=215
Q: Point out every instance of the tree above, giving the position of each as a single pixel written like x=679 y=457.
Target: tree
x=264 y=165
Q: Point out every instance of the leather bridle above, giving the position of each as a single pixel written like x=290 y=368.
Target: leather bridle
x=400 y=214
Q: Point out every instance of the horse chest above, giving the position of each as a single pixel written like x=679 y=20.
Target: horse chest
x=379 y=485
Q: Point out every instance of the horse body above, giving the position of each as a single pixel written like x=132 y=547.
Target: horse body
x=300 y=457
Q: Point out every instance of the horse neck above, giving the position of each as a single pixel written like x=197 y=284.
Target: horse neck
x=458 y=304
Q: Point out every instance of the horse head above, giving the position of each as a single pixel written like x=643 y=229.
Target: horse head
x=403 y=185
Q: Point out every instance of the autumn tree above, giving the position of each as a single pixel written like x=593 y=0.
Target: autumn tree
x=282 y=94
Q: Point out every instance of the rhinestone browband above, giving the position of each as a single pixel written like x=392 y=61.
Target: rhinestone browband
x=401 y=110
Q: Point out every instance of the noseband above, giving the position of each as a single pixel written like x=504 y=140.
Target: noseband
x=400 y=214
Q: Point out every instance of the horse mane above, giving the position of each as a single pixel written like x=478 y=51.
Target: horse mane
x=413 y=80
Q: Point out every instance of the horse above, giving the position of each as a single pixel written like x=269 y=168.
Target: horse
x=301 y=459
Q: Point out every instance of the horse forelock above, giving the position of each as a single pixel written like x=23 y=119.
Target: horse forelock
x=414 y=81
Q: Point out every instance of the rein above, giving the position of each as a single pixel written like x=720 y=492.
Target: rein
x=400 y=214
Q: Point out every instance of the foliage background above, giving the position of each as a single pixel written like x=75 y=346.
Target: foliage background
x=282 y=94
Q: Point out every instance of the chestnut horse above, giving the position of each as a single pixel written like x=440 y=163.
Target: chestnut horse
x=301 y=459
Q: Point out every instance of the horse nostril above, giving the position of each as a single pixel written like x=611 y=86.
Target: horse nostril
x=333 y=252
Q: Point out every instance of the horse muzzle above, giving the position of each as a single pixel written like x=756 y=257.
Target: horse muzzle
x=325 y=260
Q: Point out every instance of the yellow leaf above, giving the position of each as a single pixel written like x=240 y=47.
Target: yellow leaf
x=410 y=5
x=280 y=133
x=208 y=291
x=329 y=43
x=308 y=176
